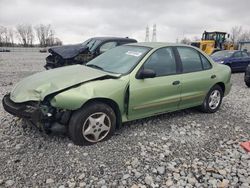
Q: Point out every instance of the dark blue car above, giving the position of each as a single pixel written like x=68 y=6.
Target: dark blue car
x=247 y=76
x=237 y=60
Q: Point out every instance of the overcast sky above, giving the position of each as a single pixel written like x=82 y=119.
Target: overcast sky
x=76 y=20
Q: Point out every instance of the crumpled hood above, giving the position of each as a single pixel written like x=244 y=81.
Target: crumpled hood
x=36 y=87
x=68 y=51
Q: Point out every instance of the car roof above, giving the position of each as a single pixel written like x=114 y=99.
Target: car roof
x=114 y=38
x=216 y=32
x=157 y=44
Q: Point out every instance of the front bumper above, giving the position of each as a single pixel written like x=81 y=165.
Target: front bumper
x=45 y=118
x=50 y=62
x=22 y=110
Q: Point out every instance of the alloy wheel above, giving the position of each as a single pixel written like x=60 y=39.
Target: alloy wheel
x=96 y=127
x=214 y=99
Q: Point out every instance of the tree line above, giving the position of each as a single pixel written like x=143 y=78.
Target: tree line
x=26 y=35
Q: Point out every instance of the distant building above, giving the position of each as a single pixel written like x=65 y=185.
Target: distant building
x=244 y=45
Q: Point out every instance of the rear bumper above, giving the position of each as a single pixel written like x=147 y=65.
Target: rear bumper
x=228 y=87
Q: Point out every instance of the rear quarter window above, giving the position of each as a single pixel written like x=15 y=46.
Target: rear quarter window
x=206 y=64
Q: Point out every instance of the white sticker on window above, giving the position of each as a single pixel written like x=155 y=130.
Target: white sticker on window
x=136 y=54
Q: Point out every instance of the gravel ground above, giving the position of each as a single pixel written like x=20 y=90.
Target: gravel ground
x=181 y=149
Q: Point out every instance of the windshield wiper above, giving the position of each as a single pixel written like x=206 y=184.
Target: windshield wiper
x=94 y=66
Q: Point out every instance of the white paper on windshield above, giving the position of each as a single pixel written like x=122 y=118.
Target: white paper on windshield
x=132 y=53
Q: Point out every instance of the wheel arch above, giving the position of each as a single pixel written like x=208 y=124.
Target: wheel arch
x=228 y=64
x=222 y=85
x=110 y=103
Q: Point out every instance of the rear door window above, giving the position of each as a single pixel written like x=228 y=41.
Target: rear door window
x=205 y=62
x=191 y=61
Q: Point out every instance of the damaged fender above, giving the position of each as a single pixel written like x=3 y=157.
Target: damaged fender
x=75 y=98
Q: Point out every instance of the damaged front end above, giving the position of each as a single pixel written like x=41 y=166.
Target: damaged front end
x=32 y=97
x=40 y=114
x=67 y=55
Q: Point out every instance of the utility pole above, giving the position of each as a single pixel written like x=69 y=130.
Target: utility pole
x=154 y=34
x=147 y=34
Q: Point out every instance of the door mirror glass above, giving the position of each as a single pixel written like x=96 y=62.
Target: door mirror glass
x=146 y=73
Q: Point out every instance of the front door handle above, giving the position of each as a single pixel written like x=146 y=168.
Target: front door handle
x=177 y=82
x=213 y=76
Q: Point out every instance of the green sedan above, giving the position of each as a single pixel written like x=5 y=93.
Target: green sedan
x=129 y=82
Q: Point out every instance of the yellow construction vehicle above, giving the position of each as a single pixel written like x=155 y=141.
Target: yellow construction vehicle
x=214 y=41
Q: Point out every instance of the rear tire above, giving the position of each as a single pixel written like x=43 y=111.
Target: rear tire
x=248 y=84
x=213 y=100
x=93 y=123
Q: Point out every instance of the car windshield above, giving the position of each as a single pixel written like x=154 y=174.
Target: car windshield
x=222 y=54
x=119 y=60
x=91 y=43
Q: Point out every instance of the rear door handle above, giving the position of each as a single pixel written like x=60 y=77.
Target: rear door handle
x=177 y=82
x=213 y=76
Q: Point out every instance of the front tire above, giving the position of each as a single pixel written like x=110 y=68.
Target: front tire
x=93 y=123
x=213 y=100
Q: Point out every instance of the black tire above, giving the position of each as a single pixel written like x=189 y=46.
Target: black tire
x=247 y=84
x=205 y=107
x=80 y=121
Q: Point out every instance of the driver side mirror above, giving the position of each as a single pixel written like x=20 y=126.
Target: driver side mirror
x=146 y=73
